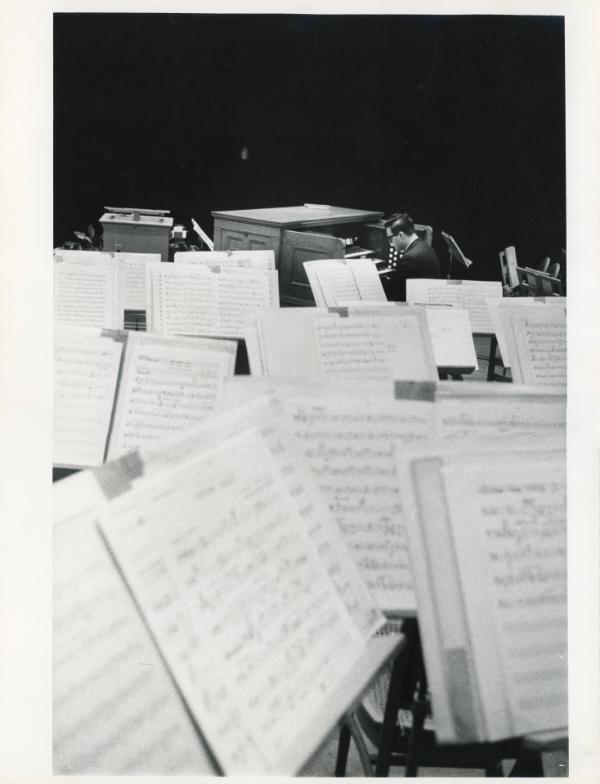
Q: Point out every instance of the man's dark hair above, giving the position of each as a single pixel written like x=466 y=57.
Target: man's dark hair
x=400 y=222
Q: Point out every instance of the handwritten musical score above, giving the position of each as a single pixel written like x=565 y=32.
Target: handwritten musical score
x=167 y=384
x=487 y=540
x=266 y=412
x=537 y=345
x=261 y=626
x=86 y=368
x=334 y=281
x=371 y=347
x=87 y=295
x=467 y=294
x=132 y=267
x=188 y=299
x=310 y=342
x=249 y=259
x=350 y=448
x=517 y=532
x=451 y=337
x=115 y=708
x=497 y=306
x=525 y=417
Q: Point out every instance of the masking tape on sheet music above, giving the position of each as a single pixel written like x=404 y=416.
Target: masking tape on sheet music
x=118 y=335
x=116 y=477
x=415 y=390
x=461 y=697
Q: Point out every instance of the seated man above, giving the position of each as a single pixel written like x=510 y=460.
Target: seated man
x=416 y=259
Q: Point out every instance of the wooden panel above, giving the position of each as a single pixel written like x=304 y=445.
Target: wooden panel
x=233 y=235
x=296 y=248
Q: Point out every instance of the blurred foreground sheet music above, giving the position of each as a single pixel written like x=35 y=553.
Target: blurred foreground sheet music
x=487 y=540
x=116 y=709
x=349 y=435
x=238 y=598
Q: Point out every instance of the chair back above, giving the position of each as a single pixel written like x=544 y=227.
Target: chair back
x=425 y=232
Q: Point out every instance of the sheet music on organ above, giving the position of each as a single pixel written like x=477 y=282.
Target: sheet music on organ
x=494 y=306
x=192 y=299
x=88 y=295
x=348 y=435
x=467 y=294
x=238 y=598
x=312 y=342
x=115 y=390
x=487 y=541
x=334 y=281
x=132 y=267
x=536 y=341
x=115 y=708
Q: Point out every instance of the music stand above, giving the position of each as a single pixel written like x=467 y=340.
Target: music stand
x=454 y=252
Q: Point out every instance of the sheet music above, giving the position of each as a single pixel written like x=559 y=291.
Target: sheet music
x=529 y=418
x=260 y=408
x=367 y=280
x=249 y=259
x=87 y=295
x=350 y=446
x=167 y=384
x=132 y=266
x=509 y=521
x=538 y=345
x=451 y=337
x=372 y=347
x=115 y=710
x=467 y=294
x=331 y=281
x=494 y=306
x=236 y=594
x=334 y=281
x=86 y=369
x=189 y=299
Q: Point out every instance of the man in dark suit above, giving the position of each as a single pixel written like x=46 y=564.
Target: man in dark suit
x=414 y=258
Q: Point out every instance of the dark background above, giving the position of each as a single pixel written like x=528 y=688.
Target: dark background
x=459 y=120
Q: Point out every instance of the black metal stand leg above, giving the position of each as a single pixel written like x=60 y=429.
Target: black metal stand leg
x=528 y=764
x=342 y=752
x=492 y=358
x=420 y=709
x=392 y=706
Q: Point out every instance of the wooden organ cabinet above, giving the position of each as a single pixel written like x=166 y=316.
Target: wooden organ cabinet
x=299 y=234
